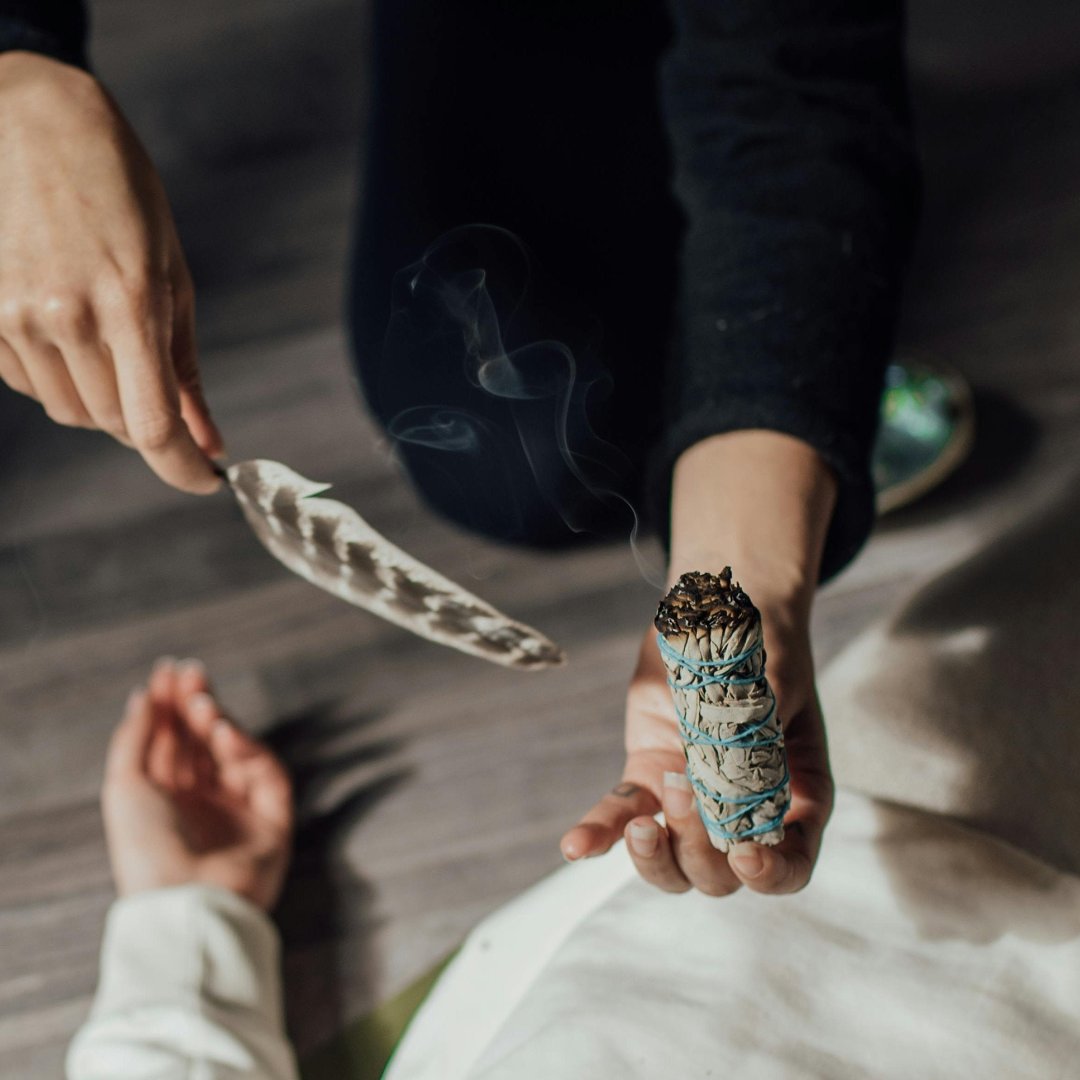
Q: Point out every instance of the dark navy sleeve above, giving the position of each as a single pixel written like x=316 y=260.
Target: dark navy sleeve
x=795 y=168
x=56 y=28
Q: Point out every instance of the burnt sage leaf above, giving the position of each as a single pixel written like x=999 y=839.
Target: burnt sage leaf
x=330 y=545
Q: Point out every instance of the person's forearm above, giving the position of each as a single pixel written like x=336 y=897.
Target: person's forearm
x=760 y=501
x=794 y=163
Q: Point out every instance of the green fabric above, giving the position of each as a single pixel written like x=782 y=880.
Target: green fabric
x=362 y=1050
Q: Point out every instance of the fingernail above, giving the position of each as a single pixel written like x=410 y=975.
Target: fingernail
x=678 y=795
x=748 y=861
x=643 y=837
x=191 y=666
x=164 y=662
x=134 y=699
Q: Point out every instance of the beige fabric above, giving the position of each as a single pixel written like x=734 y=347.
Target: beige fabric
x=922 y=949
x=967 y=700
x=189 y=990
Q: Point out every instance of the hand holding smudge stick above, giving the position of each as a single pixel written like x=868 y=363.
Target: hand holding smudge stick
x=711 y=641
x=331 y=546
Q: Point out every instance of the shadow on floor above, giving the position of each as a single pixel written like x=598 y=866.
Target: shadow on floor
x=326 y=914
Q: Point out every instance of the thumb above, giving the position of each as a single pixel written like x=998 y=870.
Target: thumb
x=130 y=743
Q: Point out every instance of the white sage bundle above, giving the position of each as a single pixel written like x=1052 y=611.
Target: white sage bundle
x=711 y=641
x=331 y=545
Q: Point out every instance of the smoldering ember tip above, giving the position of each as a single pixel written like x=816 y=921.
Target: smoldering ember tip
x=700 y=599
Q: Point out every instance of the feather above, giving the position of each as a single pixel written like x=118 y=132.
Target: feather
x=330 y=545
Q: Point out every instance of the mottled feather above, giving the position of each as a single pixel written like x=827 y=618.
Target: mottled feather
x=330 y=545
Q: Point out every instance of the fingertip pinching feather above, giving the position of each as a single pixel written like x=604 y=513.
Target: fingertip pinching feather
x=333 y=547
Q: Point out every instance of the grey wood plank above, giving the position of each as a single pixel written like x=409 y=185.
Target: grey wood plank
x=102 y=568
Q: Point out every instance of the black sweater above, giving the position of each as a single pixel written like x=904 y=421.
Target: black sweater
x=794 y=164
x=54 y=27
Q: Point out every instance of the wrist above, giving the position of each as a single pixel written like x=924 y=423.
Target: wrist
x=760 y=502
x=16 y=63
x=35 y=76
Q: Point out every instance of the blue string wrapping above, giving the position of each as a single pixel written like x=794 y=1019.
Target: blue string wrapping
x=751 y=747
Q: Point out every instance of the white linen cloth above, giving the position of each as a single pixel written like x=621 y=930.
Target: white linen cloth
x=921 y=948
x=189 y=990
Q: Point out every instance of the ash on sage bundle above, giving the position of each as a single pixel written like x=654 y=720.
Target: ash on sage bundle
x=711 y=641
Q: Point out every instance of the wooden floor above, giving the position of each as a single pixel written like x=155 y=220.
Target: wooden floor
x=432 y=787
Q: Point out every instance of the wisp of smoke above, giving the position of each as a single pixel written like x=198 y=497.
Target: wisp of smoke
x=454 y=311
x=439 y=429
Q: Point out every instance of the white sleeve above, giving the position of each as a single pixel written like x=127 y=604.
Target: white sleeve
x=189 y=990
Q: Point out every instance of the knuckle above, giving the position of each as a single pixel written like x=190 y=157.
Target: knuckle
x=153 y=430
x=113 y=299
x=16 y=314
x=129 y=294
x=65 y=312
